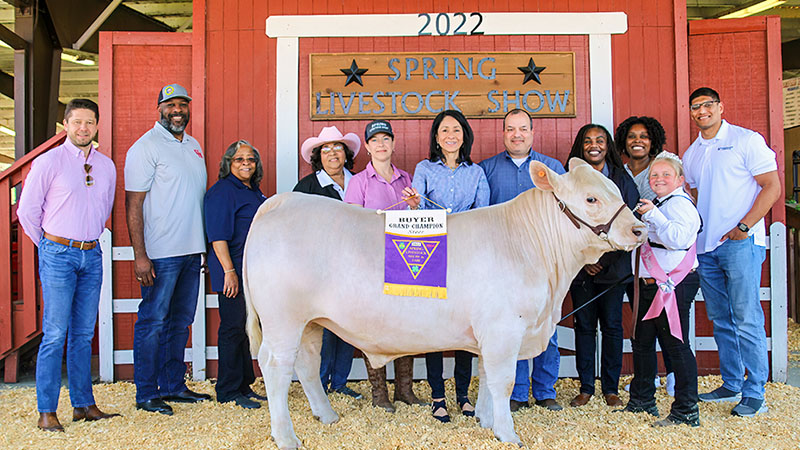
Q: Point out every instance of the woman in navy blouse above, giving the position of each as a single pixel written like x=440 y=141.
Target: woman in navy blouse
x=229 y=207
x=594 y=145
x=449 y=178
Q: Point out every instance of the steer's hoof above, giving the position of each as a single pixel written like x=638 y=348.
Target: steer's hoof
x=329 y=418
x=288 y=443
x=513 y=438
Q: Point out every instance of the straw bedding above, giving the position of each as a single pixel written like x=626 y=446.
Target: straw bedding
x=209 y=425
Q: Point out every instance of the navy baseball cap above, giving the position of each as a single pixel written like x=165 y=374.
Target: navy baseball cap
x=171 y=91
x=377 y=126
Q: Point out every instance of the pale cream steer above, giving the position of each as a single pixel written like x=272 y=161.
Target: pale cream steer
x=311 y=262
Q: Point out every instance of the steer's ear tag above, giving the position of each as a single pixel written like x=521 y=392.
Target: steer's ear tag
x=540 y=177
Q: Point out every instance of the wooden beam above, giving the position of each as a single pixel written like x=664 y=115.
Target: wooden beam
x=12 y=39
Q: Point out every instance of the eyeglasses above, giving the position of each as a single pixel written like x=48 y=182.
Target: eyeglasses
x=705 y=105
x=239 y=160
x=89 y=180
x=335 y=147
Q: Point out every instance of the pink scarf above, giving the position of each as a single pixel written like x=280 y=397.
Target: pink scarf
x=665 y=296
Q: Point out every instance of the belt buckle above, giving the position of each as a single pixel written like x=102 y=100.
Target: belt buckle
x=81 y=247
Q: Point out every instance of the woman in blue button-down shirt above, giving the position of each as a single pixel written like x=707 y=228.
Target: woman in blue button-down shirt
x=450 y=179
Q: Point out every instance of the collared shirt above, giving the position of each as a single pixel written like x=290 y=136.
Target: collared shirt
x=326 y=180
x=506 y=180
x=370 y=190
x=229 y=207
x=673 y=225
x=460 y=189
x=173 y=173
x=56 y=199
x=722 y=169
x=642 y=183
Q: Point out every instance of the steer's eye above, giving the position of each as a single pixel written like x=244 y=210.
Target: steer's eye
x=591 y=199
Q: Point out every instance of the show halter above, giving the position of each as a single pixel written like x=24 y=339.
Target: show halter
x=600 y=230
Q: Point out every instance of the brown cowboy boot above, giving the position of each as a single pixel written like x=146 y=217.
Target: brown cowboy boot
x=380 y=395
x=404 y=381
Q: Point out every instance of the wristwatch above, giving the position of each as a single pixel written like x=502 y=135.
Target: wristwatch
x=744 y=228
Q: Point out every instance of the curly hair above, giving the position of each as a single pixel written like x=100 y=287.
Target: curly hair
x=654 y=130
x=612 y=157
x=227 y=160
x=316 y=158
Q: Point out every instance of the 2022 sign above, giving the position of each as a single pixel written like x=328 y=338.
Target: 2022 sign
x=443 y=24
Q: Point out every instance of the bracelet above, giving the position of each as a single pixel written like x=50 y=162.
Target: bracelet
x=229 y=271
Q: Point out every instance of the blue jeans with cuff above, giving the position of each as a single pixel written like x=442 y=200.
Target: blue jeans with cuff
x=543 y=375
x=162 y=327
x=71 y=280
x=730 y=277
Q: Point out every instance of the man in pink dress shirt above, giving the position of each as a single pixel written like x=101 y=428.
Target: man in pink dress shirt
x=65 y=202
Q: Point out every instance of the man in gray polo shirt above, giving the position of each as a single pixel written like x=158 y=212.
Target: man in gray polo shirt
x=165 y=180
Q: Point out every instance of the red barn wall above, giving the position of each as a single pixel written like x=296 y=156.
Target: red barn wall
x=240 y=70
x=229 y=62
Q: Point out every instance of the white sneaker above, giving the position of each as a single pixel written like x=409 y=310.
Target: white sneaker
x=670 y=384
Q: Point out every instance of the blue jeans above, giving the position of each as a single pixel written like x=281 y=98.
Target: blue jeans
x=543 y=375
x=337 y=360
x=71 y=281
x=162 y=327
x=730 y=277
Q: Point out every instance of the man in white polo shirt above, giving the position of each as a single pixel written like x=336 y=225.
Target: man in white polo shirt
x=733 y=175
x=165 y=181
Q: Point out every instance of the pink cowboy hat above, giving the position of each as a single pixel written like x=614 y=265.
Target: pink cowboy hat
x=330 y=134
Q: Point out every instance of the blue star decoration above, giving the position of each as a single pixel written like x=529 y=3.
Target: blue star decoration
x=354 y=73
x=531 y=72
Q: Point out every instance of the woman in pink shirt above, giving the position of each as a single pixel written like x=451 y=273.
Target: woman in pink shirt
x=380 y=186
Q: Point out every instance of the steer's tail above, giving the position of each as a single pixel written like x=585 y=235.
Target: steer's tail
x=253 y=324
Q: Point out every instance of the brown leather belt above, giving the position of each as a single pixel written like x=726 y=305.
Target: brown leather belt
x=648 y=281
x=83 y=245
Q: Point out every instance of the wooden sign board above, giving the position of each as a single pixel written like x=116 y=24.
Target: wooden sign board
x=361 y=86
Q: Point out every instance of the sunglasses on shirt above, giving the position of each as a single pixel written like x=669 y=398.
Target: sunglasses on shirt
x=89 y=180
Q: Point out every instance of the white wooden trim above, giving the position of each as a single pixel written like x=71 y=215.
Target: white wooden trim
x=105 y=318
x=375 y=25
x=212 y=301
x=199 y=333
x=122 y=254
x=126 y=305
x=286 y=107
x=778 y=299
x=600 y=80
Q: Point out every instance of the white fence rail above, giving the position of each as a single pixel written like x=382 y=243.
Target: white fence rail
x=109 y=357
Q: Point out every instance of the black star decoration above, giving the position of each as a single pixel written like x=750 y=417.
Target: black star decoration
x=531 y=72
x=354 y=73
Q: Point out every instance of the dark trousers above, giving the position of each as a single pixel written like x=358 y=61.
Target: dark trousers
x=680 y=353
x=434 y=364
x=235 y=374
x=608 y=311
x=664 y=355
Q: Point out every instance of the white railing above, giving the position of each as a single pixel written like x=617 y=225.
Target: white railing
x=109 y=357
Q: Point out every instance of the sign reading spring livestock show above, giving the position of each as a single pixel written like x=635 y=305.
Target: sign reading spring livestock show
x=362 y=86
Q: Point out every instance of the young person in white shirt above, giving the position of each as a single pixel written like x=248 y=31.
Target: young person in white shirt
x=667 y=285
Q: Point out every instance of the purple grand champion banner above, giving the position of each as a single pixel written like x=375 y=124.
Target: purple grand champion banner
x=416 y=253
